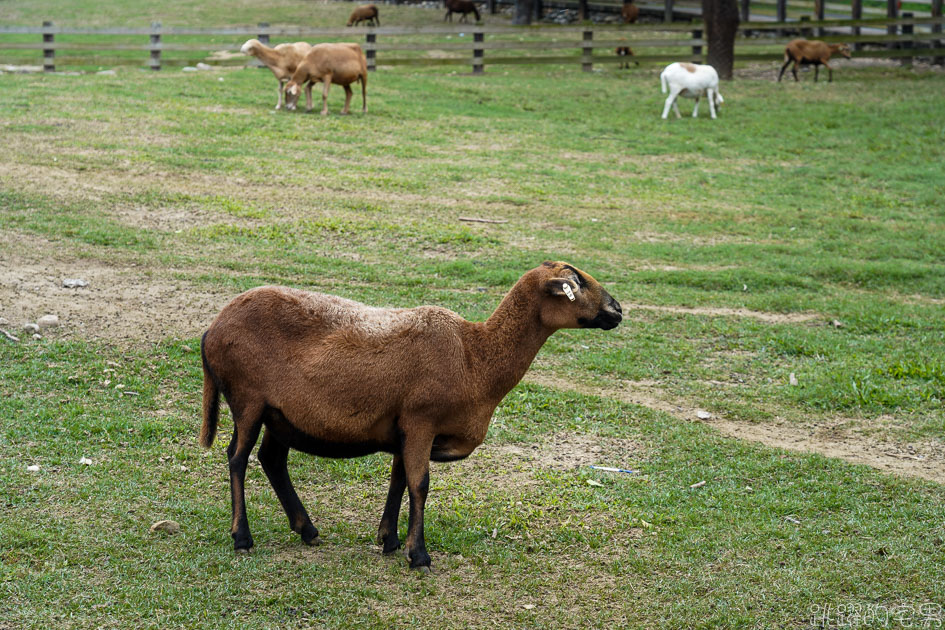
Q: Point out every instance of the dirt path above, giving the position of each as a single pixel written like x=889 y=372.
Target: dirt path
x=831 y=438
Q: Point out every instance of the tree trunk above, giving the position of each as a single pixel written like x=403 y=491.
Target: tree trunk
x=721 y=26
x=524 y=9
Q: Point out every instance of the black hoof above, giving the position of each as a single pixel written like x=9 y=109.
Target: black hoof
x=242 y=545
x=419 y=560
x=390 y=546
x=310 y=535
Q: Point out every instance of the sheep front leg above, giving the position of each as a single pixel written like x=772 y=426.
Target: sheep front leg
x=416 y=454
x=326 y=84
x=308 y=96
x=348 y=95
x=829 y=72
x=282 y=83
x=387 y=531
x=816 y=71
x=695 y=108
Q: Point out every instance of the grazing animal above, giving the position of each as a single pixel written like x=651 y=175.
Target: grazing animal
x=335 y=378
x=692 y=81
x=625 y=53
x=805 y=52
x=329 y=63
x=282 y=60
x=462 y=7
x=630 y=12
x=365 y=13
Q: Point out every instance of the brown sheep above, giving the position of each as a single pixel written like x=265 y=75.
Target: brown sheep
x=626 y=54
x=630 y=12
x=365 y=13
x=335 y=378
x=462 y=7
x=804 y=52
x=282 y=60
x=329 y=63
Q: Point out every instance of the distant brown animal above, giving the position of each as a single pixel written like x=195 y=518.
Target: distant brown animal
x=329 y=63
x=365 y=13
x=805 y=52
x=335 y=378
x=462 y=7
x=626 y=53
x=630 y=12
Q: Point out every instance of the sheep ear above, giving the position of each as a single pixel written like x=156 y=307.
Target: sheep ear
x=561 y=288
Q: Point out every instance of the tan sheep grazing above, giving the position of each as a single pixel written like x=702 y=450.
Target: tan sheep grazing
x=335 y=378
x=329 y=63
x=365 y=13
x=282 y=60
x=805 y=52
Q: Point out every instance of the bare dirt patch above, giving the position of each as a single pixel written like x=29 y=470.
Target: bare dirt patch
x=831 y=438
x=125 y=305
x=775 y=318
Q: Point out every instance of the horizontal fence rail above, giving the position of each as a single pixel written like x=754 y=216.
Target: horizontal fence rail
x=439 y=45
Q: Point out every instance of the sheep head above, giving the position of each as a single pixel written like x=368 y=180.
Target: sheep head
x=250 y=47
x=573 y=299
x=292 y=91
x=842 y=49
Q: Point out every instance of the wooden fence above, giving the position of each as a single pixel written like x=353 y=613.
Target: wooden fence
x=425 y=46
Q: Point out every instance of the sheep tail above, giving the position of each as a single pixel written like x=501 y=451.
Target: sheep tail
x=663 y=82
x=211 y=401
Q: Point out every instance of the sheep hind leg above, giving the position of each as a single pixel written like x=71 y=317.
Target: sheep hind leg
x=387 y=531
x=273 y=455
x=326 y=84
x=670 y=102
x=695 y=108
x=783 y=68
x=246 y=425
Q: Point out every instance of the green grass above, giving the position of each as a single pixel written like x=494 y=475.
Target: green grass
x=816 y=202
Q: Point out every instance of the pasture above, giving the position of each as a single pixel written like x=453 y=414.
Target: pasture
x=799 y=234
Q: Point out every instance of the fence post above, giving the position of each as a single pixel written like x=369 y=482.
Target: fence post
x=697 y=48
x=49 y=54
x=155 y=60
x=892 y=12
x=805 y=30
x=746 y=11
x=586 y=63
x=937 y=28
x=478 y=37
x=667 y=10
x=584 y=12
x=819 y=11
x=370 y=39
x=856 y=13
x=782 y=14
x=539 y=7
x=491 y=7
x=906 y=62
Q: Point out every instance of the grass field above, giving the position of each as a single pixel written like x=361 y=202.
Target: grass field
x=800 y=233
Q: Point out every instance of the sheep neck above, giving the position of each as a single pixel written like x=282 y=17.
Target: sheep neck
x=267 y=55
x=509 y=340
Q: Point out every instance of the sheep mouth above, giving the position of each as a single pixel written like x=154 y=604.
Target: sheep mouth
x=603 y=320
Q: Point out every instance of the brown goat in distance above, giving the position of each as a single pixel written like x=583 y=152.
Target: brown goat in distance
x=805 y=52
x=335 y=378
x=630 y=12
x=626 y=54
x=365 y=13
x=462 y=7
x=329 y=63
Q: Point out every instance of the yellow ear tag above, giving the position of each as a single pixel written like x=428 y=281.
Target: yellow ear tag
x=567 y=291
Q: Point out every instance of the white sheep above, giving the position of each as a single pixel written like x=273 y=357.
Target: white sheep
x=692 y=81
